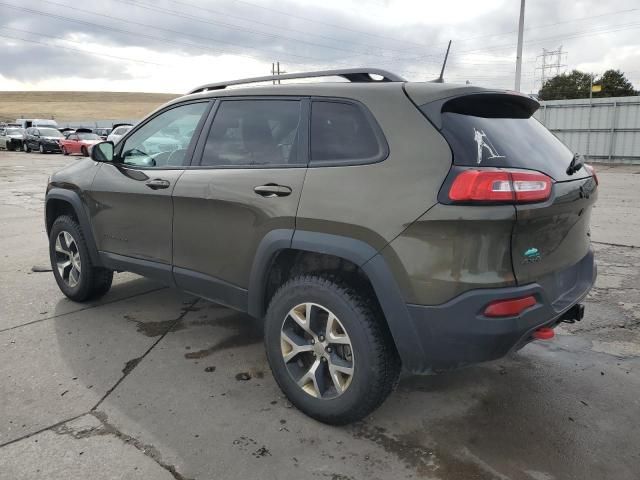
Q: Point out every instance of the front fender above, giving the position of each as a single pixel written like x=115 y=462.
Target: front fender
x=73 y=199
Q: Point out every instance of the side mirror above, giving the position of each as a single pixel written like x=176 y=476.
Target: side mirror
x=102 y=152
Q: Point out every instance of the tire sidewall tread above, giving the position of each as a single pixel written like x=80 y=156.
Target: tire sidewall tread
x=94 y=281
x=377 y=365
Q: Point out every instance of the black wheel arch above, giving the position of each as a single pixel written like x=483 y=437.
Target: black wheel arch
x=60 y=201
x=357 y=252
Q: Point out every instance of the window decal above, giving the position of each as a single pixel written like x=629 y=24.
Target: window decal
x=482 y=141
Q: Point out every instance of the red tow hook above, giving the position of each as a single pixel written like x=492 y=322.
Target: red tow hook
x=544 y=333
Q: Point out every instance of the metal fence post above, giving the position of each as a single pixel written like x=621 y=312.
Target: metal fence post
x=612 y=134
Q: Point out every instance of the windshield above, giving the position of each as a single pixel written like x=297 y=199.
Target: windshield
x=49 y=132
x=14 y=131
x=88 y=136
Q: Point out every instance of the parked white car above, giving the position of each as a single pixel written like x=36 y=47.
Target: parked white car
x=118 y=133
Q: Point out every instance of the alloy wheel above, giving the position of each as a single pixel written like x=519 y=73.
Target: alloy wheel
x=68 y=258
x=317 y=351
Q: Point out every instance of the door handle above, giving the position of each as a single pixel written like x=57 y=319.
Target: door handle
x=271 y=190
x=157 y=184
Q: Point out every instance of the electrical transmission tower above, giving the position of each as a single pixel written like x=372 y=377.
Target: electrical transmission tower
x=551 y=63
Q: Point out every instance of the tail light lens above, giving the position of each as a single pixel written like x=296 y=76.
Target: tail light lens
x=504 y=186
x=592 y=171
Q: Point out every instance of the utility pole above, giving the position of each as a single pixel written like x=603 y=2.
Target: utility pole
x=519 y=54
x=275 y=71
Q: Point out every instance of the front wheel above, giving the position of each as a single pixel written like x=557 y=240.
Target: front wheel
x=73 y=269
x=41 y=149
x=64 y=151
x=329 y=349
x=25 y=147
x=85 y=152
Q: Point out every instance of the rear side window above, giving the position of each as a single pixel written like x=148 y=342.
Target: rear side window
x=495 y=133
x=253 y=133
x=342 y=133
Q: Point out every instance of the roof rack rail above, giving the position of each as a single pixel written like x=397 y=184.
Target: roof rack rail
x=360 y=75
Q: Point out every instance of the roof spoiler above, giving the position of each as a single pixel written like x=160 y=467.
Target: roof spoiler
x=356 y=75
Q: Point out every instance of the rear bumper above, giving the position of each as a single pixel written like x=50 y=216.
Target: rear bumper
x=457 y=333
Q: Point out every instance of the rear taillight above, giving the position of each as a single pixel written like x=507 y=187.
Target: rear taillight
x=592 y=171
x=509 y=308
x=496 y=185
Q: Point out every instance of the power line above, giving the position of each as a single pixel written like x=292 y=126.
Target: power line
x=71 y=48
x=271 y=25
x=139 y=34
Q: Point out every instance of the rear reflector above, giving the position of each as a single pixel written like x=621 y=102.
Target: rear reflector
x=509 y=308
x=544 y=333
x=504 y=186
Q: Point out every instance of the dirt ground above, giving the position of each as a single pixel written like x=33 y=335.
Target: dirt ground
x=64 y=106
x=150 y=383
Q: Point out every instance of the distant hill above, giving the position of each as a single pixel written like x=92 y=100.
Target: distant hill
x=64 y=106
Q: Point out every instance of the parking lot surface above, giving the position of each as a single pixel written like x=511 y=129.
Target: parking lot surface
x=150 y=383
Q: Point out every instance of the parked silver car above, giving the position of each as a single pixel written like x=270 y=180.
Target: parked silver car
x=11 y=138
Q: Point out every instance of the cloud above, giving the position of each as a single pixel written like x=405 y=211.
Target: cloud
x=171 y=45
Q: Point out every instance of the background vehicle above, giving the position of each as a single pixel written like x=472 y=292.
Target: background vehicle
x=36 y=122
x=118 y=132
x=44 y=139
x=370 y=224
x=103 y=133
x=79 y=142
x=11 y=138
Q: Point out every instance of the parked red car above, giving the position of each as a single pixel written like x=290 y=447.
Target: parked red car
x=79 y=141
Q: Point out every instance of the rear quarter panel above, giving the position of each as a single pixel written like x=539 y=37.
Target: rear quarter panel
x=376 y=202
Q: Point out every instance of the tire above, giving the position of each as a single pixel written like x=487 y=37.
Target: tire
x=85 y=152
x=25 y=147
x=371 y=355
x=9 y=147
x=64 y=151
x=91 y=282
x=41 y=149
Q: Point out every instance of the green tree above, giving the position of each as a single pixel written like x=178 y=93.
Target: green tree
x=576 y=84
x=614 y=84
x=566 y=86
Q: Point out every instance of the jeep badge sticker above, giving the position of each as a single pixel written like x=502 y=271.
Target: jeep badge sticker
x=482 y=141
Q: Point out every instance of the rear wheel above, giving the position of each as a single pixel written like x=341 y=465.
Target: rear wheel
x=73 y=269
x=329 y=349
x=64 y=151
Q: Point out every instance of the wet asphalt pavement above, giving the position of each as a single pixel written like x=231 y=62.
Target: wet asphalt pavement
x=150 y=383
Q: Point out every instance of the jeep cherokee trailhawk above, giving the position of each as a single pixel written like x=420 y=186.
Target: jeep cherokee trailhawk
x=371 y=224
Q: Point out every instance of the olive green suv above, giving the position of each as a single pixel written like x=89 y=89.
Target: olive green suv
x=371 y=224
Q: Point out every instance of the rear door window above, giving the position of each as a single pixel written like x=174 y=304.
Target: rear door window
x=254 y=133
x=342 y=132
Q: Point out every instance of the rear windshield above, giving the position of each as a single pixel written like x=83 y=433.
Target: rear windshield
x=14 y=131
x=507 y=138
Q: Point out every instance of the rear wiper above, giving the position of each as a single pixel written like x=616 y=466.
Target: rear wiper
x=575 y=165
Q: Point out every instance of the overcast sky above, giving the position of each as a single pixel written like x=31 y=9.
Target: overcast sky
x=174 y=45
